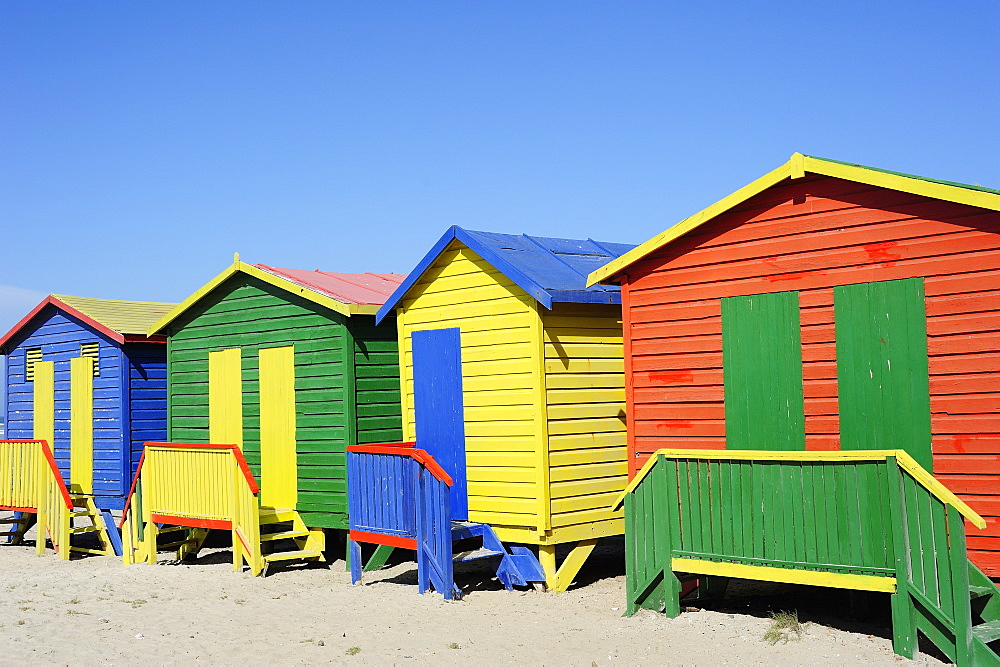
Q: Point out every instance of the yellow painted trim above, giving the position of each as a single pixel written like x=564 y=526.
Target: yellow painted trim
x=405 y=398
x=225 y=397
x=81 y=444
x=857 y=582
x=278 y=464
x=916 y=186
x=936 y=488
x=269 y=278
x=44 y=406
x=796 y=167
x=542 y=471
x=547 y=559
x=689 y=223
x=572 y=563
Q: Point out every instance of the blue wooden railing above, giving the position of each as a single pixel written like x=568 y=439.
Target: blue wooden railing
x=399 y=496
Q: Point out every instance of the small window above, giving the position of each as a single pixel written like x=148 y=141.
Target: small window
x=31 y=357
x=92 y=350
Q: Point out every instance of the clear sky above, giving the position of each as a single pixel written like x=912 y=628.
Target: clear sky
x=142 y=143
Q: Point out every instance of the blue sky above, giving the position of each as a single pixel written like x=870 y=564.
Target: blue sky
x=142 y=143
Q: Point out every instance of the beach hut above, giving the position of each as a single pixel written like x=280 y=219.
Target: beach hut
x=512 y=381
x=279 y=370
x=82 y=375
x=826 y=306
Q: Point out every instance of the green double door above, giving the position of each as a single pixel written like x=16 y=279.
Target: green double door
x=883 y=389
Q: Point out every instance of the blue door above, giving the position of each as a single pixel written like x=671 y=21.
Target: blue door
x=437 y=402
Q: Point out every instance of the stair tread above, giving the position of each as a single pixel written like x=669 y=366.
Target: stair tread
x=987 y=632
x=291 y=555
x=288 y=534
x=267 y=515
x=476 y=555
x=85 y=529
x=980 y=591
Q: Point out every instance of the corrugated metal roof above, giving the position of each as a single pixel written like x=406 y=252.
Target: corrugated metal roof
x=548 y=269
x=125 y=317
x=370 y=289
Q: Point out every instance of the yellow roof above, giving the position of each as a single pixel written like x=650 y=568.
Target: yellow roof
x=797 y=167
x=124 y=317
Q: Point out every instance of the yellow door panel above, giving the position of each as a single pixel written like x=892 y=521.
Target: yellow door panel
x=278 y=472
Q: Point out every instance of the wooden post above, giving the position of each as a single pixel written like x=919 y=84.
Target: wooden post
x=904 y=622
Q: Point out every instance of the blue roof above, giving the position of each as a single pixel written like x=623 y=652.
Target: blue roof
x=550 y=270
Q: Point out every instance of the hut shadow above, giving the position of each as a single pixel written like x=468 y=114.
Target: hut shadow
x=859 y=612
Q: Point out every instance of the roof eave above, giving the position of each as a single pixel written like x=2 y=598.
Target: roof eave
x=69 y=310
x=797 y=167
x=456 y=233
x=270 y=278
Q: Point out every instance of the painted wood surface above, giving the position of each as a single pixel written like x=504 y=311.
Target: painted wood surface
x=346 y=381
x=438 y=407
x=500 y=358
x=762 y=372
x=129 y=397
x=861 y=520
x=279 y=486
x=81 y=448
x=585 y=405
x=882 y=378
x=811 y=235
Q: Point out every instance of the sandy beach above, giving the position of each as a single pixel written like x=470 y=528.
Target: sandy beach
x=95 y=610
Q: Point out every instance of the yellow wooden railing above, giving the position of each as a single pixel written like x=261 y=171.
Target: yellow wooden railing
x=196 y=486
x=30 y=482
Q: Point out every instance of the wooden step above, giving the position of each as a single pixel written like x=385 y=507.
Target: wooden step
x=84 y=550
x=83 y=513
x=292 y=555
x=467 y=556
x=85 y=529
x=11 y=533
x=987 y=632
x=172 y=529
x=22 y=520
x=176 y=545
x=980 y=591
x=270 y=515
x=270 y=537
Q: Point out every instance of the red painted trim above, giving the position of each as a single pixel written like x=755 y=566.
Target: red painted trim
x=382 y=448
x=388 y=540
x=432 y=466
x=11 y=508
x=406 y=449
x=131 y=490
x=141 y=338
x=192 y=523
x=47 y=452
x=237 y=452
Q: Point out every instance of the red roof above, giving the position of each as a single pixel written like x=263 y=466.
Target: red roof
x=350 y=288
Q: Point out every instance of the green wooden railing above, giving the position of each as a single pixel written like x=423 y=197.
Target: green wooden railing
x=861 y=520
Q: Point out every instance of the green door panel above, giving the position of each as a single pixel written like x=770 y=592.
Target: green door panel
x=762 y=371
x=882 y=379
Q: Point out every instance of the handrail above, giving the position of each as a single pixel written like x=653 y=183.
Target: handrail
x=924 y=478
x=237 y=453
x=406 y=449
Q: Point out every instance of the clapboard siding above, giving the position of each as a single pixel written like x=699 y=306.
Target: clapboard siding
x=376 y=383
x=500 y=372
x=249 y=314
x=811 y=235
x=147 y=372
x=59 y=337
x=585 y=398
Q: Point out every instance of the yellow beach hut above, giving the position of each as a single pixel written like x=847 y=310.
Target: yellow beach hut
x=540 y=413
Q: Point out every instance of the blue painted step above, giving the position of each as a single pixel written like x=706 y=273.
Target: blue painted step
x=518 y=566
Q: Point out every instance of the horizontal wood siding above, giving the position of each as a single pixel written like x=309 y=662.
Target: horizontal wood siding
x=585 y=398
x=59 y=338
x=147 y=372
x=499 y=376
x=376 y=368
x=811 y=235
x=249 y=314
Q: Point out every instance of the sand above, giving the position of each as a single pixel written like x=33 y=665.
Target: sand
x=95 y=610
